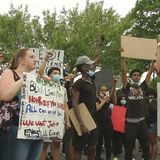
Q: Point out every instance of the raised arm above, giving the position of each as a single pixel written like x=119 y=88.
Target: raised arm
x=42 y=67
x=157 y=64
x=124 y=72
x=150 y=71
x=98 y=51
x=113 y=92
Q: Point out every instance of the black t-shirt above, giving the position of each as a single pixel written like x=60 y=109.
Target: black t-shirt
x=104 y=113
x=87 y=95
x=136 y=103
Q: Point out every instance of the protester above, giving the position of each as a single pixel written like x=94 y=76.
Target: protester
x=118 y=137
x=53 y=75
x=151 y=96
x=84 y=91
x=103 y=116
x=157 y=63
x=11 y=83
x=67 y=140
x=136 y=111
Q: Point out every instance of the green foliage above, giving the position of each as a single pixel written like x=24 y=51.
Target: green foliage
x=145 y=19
x=77 y=32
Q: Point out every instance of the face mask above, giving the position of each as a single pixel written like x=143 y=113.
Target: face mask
x=136 y=81
x=91 y=73
x=56 y=78
x=150 y=100
x=101 y=95
x=123 y=102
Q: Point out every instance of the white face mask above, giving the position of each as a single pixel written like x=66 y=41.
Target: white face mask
x=123 y=102
x=101 y=94
x=91 y=73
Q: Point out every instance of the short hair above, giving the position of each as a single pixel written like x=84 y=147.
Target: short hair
x=52 y=69
x=135 y=70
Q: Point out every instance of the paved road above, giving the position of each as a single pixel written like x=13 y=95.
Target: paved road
x=137 y=154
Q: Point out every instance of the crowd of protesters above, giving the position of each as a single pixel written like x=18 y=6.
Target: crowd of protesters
x=138 y=99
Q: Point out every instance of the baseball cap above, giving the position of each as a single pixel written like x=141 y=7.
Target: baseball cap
x=84 y=60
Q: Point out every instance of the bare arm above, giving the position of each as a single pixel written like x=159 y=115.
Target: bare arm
x=66 y=115
x=113 y=92
x=8 y=86
x=101 y=104
x=42 y=68
x=157 y=64
x=43 y=65
x=124 y=72
x=148 y=76
x=98 y=51
x=75 y=102
x=76 y=110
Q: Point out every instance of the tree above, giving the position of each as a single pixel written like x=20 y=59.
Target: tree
x=143 y=22
x=16 y=30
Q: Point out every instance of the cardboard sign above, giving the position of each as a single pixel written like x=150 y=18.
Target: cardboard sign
x=86 y=118
x=55 y=61
x=118 y=118
x=42 y=109
x=138 y=48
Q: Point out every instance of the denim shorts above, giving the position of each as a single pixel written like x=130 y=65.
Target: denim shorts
x=12 y=148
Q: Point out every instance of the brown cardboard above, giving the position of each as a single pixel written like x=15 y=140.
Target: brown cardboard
x=138 y=48
x=86 y=118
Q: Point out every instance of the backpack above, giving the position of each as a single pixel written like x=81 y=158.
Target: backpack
x=8 y=110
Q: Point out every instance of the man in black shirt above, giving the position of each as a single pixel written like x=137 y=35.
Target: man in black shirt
x=84 y=91
x=136 y=111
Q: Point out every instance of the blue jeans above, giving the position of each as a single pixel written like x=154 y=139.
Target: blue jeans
x=12 y=148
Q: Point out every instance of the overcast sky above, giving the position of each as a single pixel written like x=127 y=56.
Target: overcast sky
x=35 y=7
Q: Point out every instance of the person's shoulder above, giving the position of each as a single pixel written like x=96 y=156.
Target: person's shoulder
x=7 y=77
x=79 y=81
x=126 y=87
x=7 y=72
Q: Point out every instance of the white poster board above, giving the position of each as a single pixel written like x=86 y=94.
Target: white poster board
x=55 y=61
x=42 y=109
x=158 y=109
x=138 y=48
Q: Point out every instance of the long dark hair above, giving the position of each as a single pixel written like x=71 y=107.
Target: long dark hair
x=20 y=53
x=119 y=98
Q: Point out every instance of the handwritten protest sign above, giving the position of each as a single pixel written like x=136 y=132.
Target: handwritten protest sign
x=42 y=109
x=118 y=118
x=55 y=61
